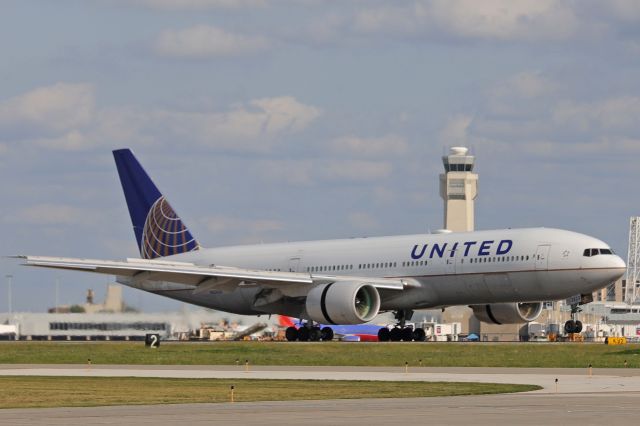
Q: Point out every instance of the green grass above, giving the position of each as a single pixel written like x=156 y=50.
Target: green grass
x=24 y=392
x=349 y=354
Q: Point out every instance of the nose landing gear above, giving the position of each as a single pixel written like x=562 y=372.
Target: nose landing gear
x=573 y=326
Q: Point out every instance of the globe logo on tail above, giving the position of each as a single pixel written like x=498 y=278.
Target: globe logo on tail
x=164 y=234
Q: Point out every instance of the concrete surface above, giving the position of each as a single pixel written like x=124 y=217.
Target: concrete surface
x=610 y=396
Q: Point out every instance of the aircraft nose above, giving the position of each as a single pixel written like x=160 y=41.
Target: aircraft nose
x=618 y=262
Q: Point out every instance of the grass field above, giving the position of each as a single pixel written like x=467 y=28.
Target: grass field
x=23 y=392
x=349 y=354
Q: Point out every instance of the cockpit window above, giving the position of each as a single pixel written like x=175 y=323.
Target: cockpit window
x=594 y=251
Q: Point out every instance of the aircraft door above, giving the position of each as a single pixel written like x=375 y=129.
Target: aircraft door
x=542 y=257
x=294 y=264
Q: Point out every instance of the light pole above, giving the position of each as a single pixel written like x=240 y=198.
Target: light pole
x=9 y=277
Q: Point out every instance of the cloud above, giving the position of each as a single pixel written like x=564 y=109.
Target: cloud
x=384 y=146
x=304 y=172
x=205 y=41
x=219 y=224
x=201 y=4
x=71 y=141
x=355 y=170
x=619 y=113
x=53 y=108
x=455 y=132
x=625 y=10
x=501 y=20
x=528 y=87
x=64 y=117
x=363 y=221
x=504 y=19
x=51 y=214
x=255 y=126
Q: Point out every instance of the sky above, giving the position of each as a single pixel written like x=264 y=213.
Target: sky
x=284 y=120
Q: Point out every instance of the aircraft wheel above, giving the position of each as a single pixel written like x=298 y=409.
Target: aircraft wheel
x=395 y=335
x=407 y=334
x=315 y=334
x=303 y=334
x=570 y=326
x=327 y=334
x=578 y=328
x=291 y=334
x=384 y=334
x=419 y=335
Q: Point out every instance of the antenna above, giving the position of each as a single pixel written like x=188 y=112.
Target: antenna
x=633 y=261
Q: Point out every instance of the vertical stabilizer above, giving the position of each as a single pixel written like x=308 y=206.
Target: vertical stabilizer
x=159 y=230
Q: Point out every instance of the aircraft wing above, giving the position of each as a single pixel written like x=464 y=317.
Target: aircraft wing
x=204 y=278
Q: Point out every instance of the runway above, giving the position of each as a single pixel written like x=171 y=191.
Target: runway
x=607 y=395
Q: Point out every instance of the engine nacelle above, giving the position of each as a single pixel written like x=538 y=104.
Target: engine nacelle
x=343 y=302
x=507 y=313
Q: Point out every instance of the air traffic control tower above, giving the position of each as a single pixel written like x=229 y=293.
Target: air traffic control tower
x=458 y=189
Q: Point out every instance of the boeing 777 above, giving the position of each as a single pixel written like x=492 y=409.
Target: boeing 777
x=502 y=274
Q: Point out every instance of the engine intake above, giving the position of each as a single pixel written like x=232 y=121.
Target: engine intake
x=343 y=302
x=507 y=313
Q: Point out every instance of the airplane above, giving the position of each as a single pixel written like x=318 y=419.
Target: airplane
x=503 y=274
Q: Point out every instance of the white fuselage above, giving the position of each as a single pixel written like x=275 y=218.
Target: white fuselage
x=511 y=265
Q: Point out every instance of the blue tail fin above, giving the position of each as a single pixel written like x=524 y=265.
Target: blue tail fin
x=159 y=230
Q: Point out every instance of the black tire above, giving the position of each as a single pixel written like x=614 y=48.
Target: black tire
x=291 y=333
x=327 y=334
x=570 y=326
x=407 y=334
x=395 y=335
x=578 y=328
x=303 y=334
x=419 y=335
x=315 y=334
x=384 y=335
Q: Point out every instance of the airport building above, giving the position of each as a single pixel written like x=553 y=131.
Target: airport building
x=113 y=320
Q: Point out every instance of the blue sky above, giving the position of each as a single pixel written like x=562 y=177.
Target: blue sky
x=291 y=120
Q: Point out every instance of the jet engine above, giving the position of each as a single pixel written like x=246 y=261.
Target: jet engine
x=343 y=302
x=507 y=313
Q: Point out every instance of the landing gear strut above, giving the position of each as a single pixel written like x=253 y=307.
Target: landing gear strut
x=573 y=325
x=402 y=332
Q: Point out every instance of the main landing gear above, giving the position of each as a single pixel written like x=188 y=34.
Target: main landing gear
x=309 y=333
x=573 y=325
x=402 y=332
